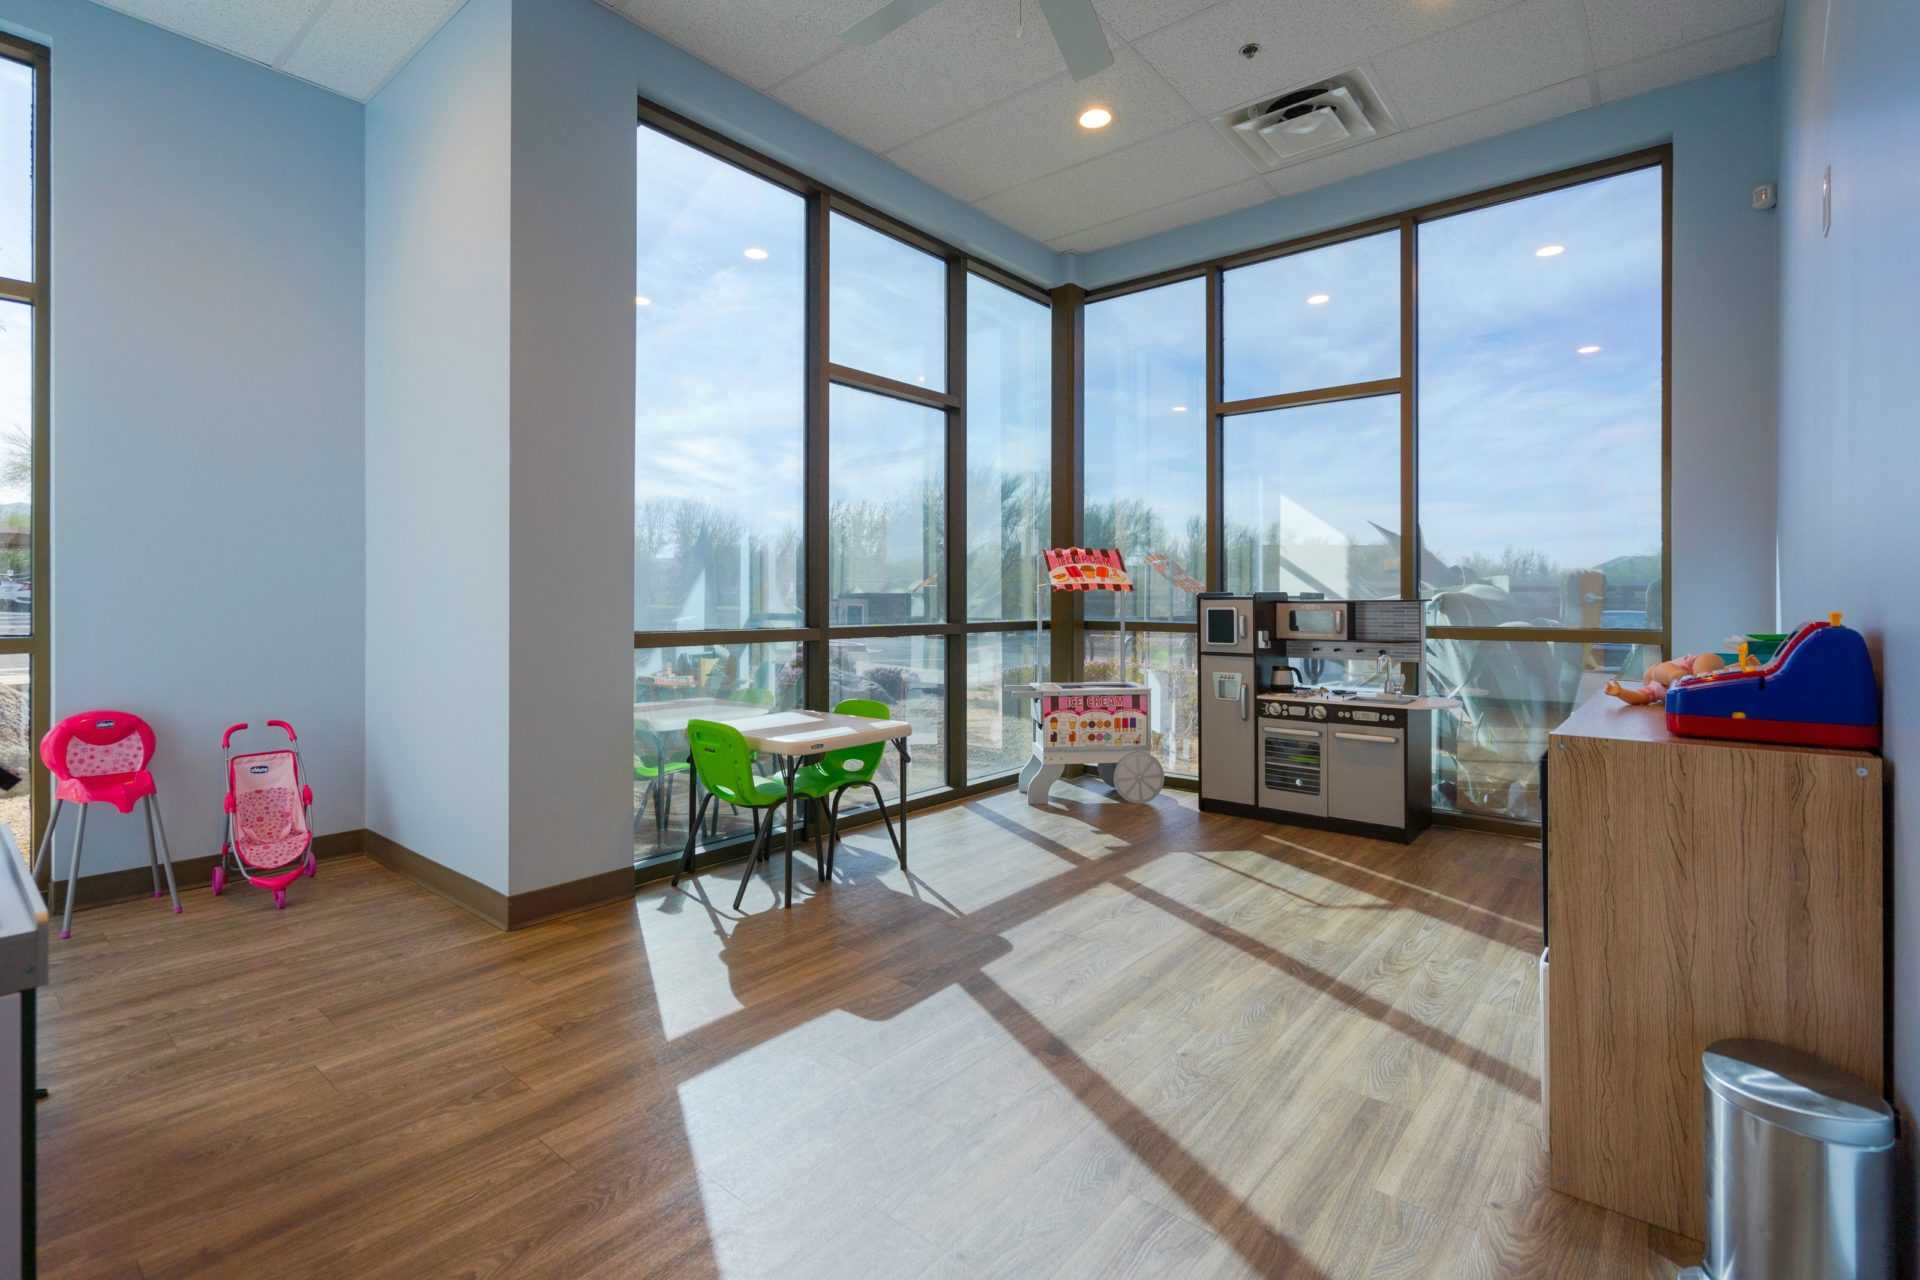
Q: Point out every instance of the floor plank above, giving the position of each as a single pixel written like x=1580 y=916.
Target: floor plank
x=1097 y=1040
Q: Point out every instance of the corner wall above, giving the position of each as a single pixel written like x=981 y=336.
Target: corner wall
x=1725 y=287
x=208 y=536
x=438 y=298
x=1850 y=306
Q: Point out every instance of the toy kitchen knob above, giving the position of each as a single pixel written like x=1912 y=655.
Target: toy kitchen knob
x=1319 y=713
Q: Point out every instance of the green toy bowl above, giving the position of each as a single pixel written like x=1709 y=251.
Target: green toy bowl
x=1764 y=644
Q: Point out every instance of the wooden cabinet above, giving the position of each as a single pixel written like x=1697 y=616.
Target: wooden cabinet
x=1698 y=890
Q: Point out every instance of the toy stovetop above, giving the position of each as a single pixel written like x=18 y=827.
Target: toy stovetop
x=1048 y=688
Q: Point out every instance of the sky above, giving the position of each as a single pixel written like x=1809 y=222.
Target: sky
x=16 y=258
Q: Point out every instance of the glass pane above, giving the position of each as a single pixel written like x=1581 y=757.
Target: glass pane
x=1322 y=318
x=1312 y=499
x=719 y=395
x=1169 y=664
x=16 y=169
x=706 y=682
x=1146 y=450
x=16 y=468
x=1009 y=448
x=16 y=747
x=887 y=510
x=909 y=674
x=886 y=306
x=1486 y=757
x=1540 y=380
x=1000 y=725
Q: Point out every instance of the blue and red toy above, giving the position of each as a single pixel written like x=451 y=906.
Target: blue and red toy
x=1818 y=691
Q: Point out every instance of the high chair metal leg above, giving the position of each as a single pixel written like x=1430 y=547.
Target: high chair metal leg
x=46 y=841
x=73 y=874
x=153 y=856
x=166 y=852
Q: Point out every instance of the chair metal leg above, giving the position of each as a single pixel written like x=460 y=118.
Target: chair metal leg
x=166 y=850
x=46 y=841
x=153 y=856
x=880 y=802
x=816 y=819
x=753 y=859
x=693 y=832
x=833 y=829
x=73 y=874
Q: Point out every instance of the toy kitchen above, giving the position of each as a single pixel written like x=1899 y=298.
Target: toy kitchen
x=1289 y=734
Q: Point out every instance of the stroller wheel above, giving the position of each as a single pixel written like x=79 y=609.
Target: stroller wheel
x=219 y=879
x=279 y=899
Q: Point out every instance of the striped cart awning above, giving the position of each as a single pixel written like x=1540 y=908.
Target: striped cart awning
x=1087 y=569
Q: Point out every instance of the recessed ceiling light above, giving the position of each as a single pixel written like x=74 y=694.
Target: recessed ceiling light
x=1179 y=408
x=642 y=300
x=1589 y=350
x=1319 y=299
x=1095 y=118
x=1549 y=251
x=757 y=254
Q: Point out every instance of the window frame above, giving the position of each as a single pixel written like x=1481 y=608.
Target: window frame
x=822 y=374
x=37 y=644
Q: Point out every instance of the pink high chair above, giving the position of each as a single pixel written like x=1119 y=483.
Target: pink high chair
x=101 y=757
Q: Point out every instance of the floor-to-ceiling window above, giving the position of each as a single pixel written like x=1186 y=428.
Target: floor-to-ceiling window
x=23 y=423
x=820 y=512
x=1542 y=469
x=1144 y=475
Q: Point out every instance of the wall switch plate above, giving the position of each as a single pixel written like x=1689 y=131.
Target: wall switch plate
x=1763 y=196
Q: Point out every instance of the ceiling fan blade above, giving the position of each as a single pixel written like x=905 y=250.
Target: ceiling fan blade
x=1076 y=29
x=896 y=14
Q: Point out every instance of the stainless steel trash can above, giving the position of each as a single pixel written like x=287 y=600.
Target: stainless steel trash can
x=1799 y=1168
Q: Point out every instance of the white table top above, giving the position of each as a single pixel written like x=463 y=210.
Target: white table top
x=670 y=715
x=808 y=733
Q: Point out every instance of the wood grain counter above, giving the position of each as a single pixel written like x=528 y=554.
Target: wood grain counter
x=1699 y=890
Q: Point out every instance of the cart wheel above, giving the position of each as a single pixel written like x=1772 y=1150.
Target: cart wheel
x=279 y=899
x=1137 y=777
x=1106 y=773
x=219 y=879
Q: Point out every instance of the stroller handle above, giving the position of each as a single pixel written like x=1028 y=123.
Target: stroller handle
x=227 y=737
x=285 y=728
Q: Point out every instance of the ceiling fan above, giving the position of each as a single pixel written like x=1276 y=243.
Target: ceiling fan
x=1076 y=29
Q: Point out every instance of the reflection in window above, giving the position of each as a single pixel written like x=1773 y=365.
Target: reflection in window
x=887 y=510
x=1145 y=463
x=16 y=739
x=1486 y=759
x=1320 y=318
x=1009 y=448
x=16 y=169
x=1312 y=499
x=719 y=394
x=1000 y=724
x=887 y=306
x=1540 y=409
x=1169 y=664
x=909 y=674
x=16 y=466
x=704 y=682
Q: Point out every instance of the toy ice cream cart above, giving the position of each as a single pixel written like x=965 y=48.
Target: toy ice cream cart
x=1103 y=723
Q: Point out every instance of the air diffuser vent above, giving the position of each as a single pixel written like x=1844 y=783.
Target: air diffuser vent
x=1340 y=111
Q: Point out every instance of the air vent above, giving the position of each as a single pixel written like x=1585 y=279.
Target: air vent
x=1340 y=111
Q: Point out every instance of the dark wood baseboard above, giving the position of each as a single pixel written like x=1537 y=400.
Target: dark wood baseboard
x=188 y=873
x=502 y=911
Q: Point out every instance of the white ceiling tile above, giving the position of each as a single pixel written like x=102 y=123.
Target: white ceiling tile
x=1500 y=56
x=357 y=45
x=1209 y=204
x=1300 y=41
x=1135 y=18
x=1626 y=30
x=1701 y=58
x=257 y=29
x=1141 y=177
x=949 y=62
x=759 y=44
x=972 y=158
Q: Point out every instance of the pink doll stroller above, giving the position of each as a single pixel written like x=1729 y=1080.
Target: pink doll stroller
x=269 y=836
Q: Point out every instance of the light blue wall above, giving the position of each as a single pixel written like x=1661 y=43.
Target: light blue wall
x=1725 y=284
x=1849 y=443
x=438 y=207
x=208 y=540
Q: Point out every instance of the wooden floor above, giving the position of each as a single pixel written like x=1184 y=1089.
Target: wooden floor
x=1095 y=1042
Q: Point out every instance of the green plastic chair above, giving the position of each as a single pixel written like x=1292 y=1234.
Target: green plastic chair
x=834 y=774
x=724 y=764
